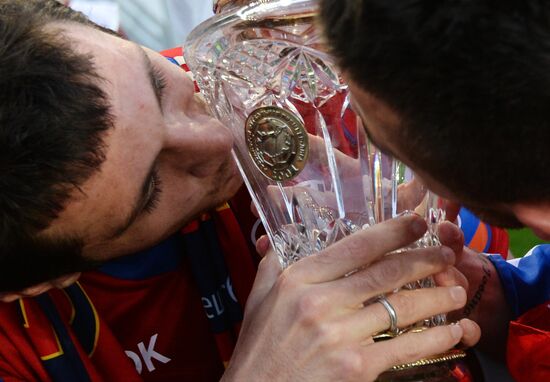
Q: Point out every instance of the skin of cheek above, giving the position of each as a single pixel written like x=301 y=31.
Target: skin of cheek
x=139 y=136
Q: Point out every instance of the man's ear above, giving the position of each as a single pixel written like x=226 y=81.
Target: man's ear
x=535 y=216
x=59 y=283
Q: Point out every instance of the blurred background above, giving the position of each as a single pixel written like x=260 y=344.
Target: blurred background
x=157 y=24
x=164 y=24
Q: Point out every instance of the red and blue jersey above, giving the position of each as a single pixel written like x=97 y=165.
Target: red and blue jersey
x=482 y=237
x=172 y=312
x=169 y=313
x=526 y=285
x=525 y=281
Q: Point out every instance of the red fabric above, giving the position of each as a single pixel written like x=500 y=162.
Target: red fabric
x=500 y=243
x=529 y=346
x=338 y=126
x=242 y=269
x=129 y=312
x=241 y=205
x=157 y=325
x=168 y=306
x=19 y=359
x=165 y=311
x=174 y=52
x=461 y=373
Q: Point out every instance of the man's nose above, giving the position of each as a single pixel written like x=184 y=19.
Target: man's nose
x=198 y=142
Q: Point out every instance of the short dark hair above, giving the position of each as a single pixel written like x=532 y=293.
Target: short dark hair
x=470 y=80
x=53 y=116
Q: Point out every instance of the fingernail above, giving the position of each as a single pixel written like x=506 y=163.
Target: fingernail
x=456 y=331
x=465 y=324
x=458 y=294
x=449 y=255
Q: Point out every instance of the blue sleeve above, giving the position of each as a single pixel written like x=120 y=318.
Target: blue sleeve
x=475 y=231
x=526 y=281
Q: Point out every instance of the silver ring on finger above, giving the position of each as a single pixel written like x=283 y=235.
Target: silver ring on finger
x=393 y=329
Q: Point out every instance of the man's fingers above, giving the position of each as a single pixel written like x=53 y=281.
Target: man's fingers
x=411 y=347
x=451 y=235
x=269 y=271
x=359 y=249
x=410 y=307
x=472 y=332
x=262 y=245
x=389 y=273
x=450 y=277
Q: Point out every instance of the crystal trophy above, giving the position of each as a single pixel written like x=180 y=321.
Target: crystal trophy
x=304 y=156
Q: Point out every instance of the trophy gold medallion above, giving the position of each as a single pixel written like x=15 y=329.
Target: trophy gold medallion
x=277 y=142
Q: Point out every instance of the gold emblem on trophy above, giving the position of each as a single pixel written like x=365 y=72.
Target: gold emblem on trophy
x=277 y=142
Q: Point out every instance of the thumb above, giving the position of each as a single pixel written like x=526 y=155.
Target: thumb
x=262 y=245
x=268 y=273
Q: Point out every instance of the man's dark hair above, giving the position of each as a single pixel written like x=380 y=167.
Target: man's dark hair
x=470 y=80
x=53 y=116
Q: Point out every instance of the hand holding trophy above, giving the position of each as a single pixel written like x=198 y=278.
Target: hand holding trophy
x=304 y=156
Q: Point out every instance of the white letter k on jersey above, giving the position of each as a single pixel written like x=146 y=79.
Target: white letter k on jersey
x=147 y=354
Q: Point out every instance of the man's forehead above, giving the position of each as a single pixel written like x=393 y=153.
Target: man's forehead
x=100 y=204
x=102 y=48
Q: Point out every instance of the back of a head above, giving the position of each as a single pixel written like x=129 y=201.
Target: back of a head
x=52 y=119
x=470 y=80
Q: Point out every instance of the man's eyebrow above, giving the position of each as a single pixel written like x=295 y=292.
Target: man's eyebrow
x=139 y=204
x=152 y=73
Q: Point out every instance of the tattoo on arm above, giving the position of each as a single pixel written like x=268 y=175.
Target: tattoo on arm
x=476 y=299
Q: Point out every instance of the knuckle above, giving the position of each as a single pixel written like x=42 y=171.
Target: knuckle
x=327 y=336
x=371 y=280
x=321 y=259
x=309 y=310
x=352 y=247
x=349 y=365
x=286 y=282
x=391 y=271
